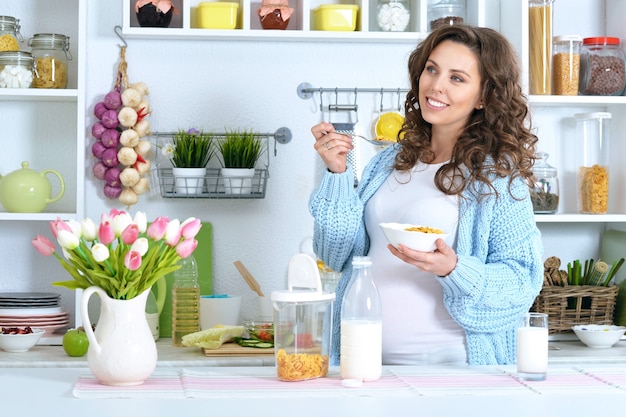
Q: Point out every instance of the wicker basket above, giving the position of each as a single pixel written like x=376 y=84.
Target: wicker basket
x=576 y=304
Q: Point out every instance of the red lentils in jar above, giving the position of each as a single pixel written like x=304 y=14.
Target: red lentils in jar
x=602 y=67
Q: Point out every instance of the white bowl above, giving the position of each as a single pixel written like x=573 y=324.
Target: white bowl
x=598 y=335
x=20 y=342
x=396 y=234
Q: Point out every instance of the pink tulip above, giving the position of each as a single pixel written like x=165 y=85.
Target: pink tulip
x=57 y=225
x=43 y=245
x=191 y=227
x=186 y=247
x=105 y=233
x=156 y=230
x=130 y=234
x=132 y=260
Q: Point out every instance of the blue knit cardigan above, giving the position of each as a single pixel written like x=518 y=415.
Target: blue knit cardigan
x=499 y=270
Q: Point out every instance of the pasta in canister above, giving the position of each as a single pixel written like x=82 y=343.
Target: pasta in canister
x=49 y=73
x=300 y=366
x=540 y=31
x=594 y=189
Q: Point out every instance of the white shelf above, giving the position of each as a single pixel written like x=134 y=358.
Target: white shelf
x=37 y=94
x=37 y=216
x=50 y=142
x=269 y=35
x=299 y=29
x=580 y=218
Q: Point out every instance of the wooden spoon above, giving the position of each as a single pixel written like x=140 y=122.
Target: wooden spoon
x=247 y=276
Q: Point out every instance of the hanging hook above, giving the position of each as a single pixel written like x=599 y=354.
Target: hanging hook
x=118 y=32
x=321 y=99
x=399 y=104
x=382 y=93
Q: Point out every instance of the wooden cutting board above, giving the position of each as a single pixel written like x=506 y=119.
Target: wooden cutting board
x=233 y=349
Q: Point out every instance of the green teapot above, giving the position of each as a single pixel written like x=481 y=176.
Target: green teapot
x=28 y=191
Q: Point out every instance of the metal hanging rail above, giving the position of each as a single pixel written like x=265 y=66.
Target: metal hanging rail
x=306 y=91
x=282 y=135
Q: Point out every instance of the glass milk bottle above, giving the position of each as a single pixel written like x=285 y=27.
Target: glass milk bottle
x=361 y=325
x=592 y=177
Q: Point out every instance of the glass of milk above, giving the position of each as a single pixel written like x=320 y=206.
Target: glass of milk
x=532 y=347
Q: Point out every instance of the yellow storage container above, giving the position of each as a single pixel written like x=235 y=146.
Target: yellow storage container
x=217 y=15
x=337 y=17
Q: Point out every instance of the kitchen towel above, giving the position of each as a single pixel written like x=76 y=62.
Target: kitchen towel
x=261 y=382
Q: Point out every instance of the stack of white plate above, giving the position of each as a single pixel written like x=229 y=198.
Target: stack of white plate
x=34 y=309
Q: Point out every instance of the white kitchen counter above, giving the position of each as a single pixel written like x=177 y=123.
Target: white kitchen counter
x=569 y=352
x=42 y=382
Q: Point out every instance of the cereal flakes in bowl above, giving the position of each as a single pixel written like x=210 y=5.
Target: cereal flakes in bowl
x=417 y=237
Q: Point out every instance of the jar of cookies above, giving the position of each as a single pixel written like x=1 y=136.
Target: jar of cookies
x=10 y=36
x=50 y=54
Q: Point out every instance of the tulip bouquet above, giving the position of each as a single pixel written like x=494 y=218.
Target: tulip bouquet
x=123 y=255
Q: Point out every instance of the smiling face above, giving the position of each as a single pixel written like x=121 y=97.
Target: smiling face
x=449 y=88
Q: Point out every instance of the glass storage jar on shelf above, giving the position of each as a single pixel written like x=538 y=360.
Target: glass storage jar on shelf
x=545 y=190
x=540 y=46
x=393 y=15
x=592 y=178
x=50 y=55
x=566 y=64
x=602 y=67
x=10 y=36
x=16 y=69
x=446 y=12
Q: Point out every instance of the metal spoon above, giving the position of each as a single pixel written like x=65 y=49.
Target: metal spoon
x=381 y=143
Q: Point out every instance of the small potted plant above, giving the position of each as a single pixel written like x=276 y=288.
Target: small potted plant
x=189 y=152
x=239 y=152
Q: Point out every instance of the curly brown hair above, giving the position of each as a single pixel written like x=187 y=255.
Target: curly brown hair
x=497 y=139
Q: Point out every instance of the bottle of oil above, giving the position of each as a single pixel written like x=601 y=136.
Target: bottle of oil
x=185 y=300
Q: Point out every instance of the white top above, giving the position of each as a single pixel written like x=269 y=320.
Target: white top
x=417 y=328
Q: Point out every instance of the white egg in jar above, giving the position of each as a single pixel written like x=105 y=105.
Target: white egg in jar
x=393 y=15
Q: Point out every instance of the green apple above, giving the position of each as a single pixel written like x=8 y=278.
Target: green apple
x=75 y=342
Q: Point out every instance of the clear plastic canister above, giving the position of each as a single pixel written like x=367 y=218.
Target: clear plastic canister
x=540 y=48
x=16 y=69
x=602 y=71
x=393 y=15
x=446 y=12
x=592 y=177
x=566 y=64
x=10 y=36
x=545 y=190
x=50 y=53
x=302 y=324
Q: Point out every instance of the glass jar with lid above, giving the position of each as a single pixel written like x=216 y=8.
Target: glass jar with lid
x=545 y=190
x=540 y=46
x=602 y=67
x=592 y=177
x=446 y=12
x=566 y=64
x=16 y=69
x=10 y=36
x=50 y=54
x=393 y=15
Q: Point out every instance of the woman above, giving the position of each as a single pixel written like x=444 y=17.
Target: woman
x=461 y=165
